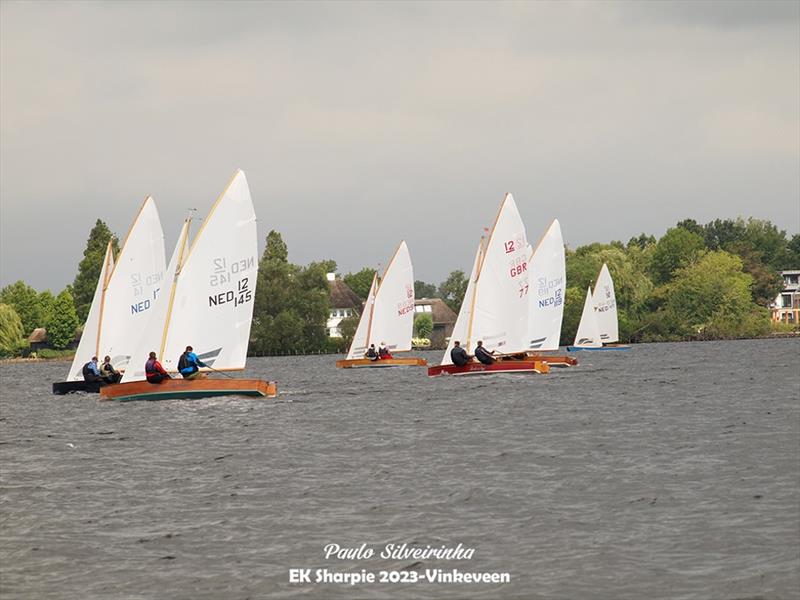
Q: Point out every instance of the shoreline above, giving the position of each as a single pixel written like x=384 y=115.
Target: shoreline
x=776 y=335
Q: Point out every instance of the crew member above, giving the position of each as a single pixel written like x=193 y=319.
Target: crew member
x=189 y=365
x=383 y=351
x=371 y=353
x=483 y=355
x=109 y=373
x=91 y=372
x=458 y=355
x=153 y=370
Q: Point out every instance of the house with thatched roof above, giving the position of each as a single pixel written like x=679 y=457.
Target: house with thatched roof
x=38 y=339
x=444 y=319
x=344 y=303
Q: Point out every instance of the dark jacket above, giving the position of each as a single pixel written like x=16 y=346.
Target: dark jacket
x=459 y=356
x=483 y=355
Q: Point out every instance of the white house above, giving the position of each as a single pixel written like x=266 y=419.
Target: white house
x=344 y=303
x=786 y=307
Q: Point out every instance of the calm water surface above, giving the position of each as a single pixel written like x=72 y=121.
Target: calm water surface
x=670 y=471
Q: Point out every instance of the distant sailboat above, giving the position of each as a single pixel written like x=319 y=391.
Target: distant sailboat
x=207 y=303
x=388 y=316
x=495 y=306
x=123 y=299
x=547 y=276
x=599 y=320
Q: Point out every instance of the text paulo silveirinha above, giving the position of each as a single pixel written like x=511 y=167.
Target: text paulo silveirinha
x=396 y=552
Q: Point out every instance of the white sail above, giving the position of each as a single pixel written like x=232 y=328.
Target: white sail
x=133 y=286
x=87 y=347
x=151 y=338
x=547 y=277
x=359 y=344
x=211 y=305
x=588 y=334
x=500 y=311
x=461 y=328
x=605 y=306
x=393 y=315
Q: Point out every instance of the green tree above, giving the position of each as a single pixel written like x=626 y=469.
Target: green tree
x=12 y=337
x=693 y=226
x=711 y=298
x=347 y=327
x=452 y=289
x=25 y=301
x=47 y=307
x=64 y=322
x=424 y=290
x=291 y=303
x=675 y=250
x=423 y=325
x=360 y=282
x=792 y=259
x=643 y=241
x=89 y=268
x=721 y=232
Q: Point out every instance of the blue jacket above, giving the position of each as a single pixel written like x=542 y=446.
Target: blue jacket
x=192 y=363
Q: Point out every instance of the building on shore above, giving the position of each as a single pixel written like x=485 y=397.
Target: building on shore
x=344 y=303
x=786 y=307
x=444 y=319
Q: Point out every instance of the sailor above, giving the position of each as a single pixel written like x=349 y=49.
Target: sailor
x=458 y=355
x=91 y=372
x=371 y=353
x=483 y=355
x=109 y=373
x=383 y=351
x=189 y=365
x=153 y=370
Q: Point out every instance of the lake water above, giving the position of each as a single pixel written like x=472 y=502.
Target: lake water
x=670 y=471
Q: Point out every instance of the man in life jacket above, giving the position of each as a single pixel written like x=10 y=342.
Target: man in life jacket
x=153 y=370
x=383 y=351
x=371 y=353
x=189 y=365
x=484 y=355
x=91 y=372
x=458 y=355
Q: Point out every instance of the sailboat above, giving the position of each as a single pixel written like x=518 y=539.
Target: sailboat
x=388 y=316
x=207 y=303
x=547 y=276
x=599 y=327
x=125 y=294
x=495 y=305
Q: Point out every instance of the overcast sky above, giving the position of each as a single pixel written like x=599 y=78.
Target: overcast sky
x=360 y=124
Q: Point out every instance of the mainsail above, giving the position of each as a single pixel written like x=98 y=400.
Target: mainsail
x=388 y=315
x=547 y=277
x=588 y=334
x=87 y=347
x=126 y=292
x=209 y=304
x=497 y=312
x=605 y=306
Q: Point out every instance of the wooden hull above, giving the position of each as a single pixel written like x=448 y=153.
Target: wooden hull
x=600 y=348
x=504 y=366
x=554 y=360
x=387 y=362
x=172 y=389
x=74 y=387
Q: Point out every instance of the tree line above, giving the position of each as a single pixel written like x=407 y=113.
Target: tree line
x=698 y=281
